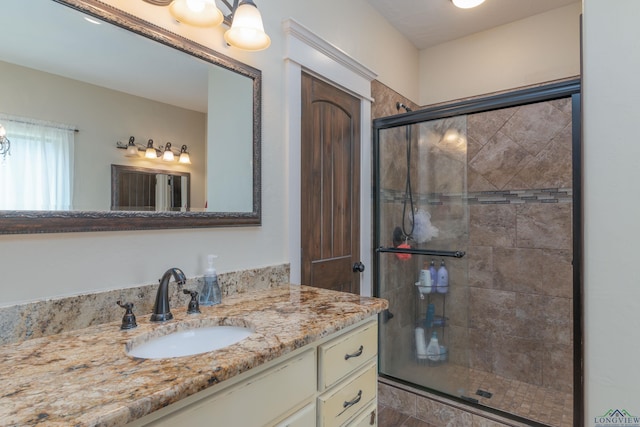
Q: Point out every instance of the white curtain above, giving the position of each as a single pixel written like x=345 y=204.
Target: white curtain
x=38 y=174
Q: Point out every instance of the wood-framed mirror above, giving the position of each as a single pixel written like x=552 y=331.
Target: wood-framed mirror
x=225 y=172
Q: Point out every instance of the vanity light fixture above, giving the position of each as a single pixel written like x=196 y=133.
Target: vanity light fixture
x=5 y=144
x=167 y=155
x=246 y=30
x=150 y=152
x=184 y=156
x=467 y=4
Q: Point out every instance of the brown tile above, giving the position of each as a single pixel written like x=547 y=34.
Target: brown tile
x=476 y=182
x=479 y=421
x=492 y=225
x=544 y=318
x=491 y=309
x=414 y=422
x=481 y=127
x=545 y=225
x=397 y=399
x=550 y=168
x=519 y=270
x=557 y=273
x=389 y=417
x=480 y=259
x=500 y=160
x=534 y=125
x=439 y=414
x=558 y=368
x=520 y=359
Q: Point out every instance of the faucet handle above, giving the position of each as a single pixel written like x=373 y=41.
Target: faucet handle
x=129 y=319
x=194 y=305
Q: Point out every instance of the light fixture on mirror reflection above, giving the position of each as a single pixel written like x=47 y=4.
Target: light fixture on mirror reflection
x=5 y=144
x=165 y=153
x=467 y=4
x=246 y=30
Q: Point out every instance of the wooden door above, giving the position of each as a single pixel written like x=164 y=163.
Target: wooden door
x=330 y=186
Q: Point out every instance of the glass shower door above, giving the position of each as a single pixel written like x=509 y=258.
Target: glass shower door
x=421 y=240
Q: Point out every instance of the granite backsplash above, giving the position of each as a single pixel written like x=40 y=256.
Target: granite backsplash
x=52 y=316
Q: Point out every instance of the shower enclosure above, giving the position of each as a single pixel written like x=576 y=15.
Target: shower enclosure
x=486 y=192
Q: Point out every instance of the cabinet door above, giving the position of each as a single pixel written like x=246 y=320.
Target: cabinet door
x=305 y=417
x=255 y=402
x=339 y=404
x=341 y=356
x=368 y=417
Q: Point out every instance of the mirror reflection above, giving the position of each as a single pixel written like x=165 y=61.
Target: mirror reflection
x=71 y=98
x=145 y=189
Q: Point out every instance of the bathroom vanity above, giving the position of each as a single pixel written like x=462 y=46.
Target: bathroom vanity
x=311 y=360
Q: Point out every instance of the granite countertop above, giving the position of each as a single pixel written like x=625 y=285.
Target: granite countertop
x=84 y=377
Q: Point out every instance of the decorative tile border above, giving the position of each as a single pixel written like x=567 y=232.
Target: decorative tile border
x=53 y=316
x=542 y=195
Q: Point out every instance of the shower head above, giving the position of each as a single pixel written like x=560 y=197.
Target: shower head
x=400 y=105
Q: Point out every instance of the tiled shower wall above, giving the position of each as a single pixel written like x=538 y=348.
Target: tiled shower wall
x=520 y=243
x=519 y=300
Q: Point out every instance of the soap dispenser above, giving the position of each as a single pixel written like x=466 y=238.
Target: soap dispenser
x=433 y=349
x=211 y=293
x=443 y=279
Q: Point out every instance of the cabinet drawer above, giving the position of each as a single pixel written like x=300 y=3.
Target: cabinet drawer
x=339 y=404
x=368 y=417
x=341 y=356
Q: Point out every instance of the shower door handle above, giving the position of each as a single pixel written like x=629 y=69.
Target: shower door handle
x=358 y=267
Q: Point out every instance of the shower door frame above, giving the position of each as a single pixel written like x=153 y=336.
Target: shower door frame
x=564 y=89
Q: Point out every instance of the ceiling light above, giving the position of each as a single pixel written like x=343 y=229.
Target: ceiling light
x=467 y=4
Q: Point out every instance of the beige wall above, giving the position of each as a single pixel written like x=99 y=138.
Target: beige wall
x=538 y=49
x=611 y=206
x=103 y=117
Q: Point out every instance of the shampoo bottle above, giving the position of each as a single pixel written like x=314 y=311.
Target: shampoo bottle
x=433 y=349
x=210 y=294
x=421 y=345
x=434 y=276
x=425 y=279
x=443 y=279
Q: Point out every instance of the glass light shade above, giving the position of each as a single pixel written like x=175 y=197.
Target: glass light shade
x=184 y=156
x=132 y=151
x=199 y=13
x=168 y=156
x=150 y=152
x=467 y=4
x=247 y=31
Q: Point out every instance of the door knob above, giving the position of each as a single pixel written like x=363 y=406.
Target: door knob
x=358 y=267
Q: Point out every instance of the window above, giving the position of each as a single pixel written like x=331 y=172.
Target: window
x=38 y=174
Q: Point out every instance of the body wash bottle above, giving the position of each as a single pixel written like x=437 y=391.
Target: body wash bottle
x=443 y=279
x=434 y=276
x=211 y=293
x=433 y=349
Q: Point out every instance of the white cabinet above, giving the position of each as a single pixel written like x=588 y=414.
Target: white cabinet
x=347 y=376
x=332 y=382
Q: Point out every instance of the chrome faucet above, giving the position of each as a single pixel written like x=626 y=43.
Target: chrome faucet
x=161 y=311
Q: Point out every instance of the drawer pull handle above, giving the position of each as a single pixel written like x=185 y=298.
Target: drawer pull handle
x=356 y=354
x=355 y=400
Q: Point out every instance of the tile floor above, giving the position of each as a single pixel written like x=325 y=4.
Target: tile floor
x=400 y=408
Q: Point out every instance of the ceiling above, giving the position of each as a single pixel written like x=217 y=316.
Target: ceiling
x=428 y=23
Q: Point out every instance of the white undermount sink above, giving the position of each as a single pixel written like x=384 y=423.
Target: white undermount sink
x=190 y=342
